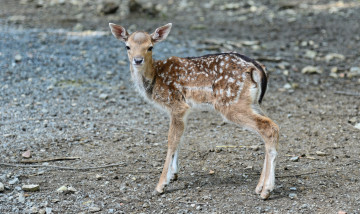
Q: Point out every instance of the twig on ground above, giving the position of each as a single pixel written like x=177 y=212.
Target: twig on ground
x=357 y=94
x=49 y=160
x=187 y=202
x=296 y=175
x=59 y=167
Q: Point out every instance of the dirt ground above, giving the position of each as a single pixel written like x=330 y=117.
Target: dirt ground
x=65 y=91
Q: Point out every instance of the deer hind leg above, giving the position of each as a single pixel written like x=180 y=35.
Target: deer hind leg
x=170 y=169
x=269 y=132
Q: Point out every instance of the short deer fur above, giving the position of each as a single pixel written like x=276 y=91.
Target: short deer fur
x=232 y=84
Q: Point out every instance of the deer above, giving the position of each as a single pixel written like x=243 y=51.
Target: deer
x=230 y=83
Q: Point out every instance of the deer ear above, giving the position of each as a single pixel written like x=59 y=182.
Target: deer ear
x=161 y=33
x=119 y=32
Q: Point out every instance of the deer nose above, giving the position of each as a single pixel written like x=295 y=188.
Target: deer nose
x=138 y=60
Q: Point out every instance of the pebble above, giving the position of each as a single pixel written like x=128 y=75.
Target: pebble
x=354 y=72
x=21 y=198
x=98 y=177
x=94 y=209
x=62 y=189
x=357 y=126
x=13 y=181
x=71 y=190
x=104 y=96
x=2 y=187
x=332 y=56
x=26 y=154
x=320 y=153
x=31 y=187
x=34 y=210
x=310 y=54
x=108 y=8
x=294 y=159
x=292 y=195
x=18 y=58
x=293 y=188
x=311 y=70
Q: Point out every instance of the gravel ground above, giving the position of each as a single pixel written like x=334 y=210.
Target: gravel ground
x=65 y=92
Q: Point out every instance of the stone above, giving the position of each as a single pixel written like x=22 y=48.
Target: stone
x=292 y=196
x=34 y=210
x=294 y=159
x=2 y=187
x=13 y=181
x=310 y=54
x=311 y=70
x=94 y=209
x=18 y=58
x=320 y=153
x=334 y=56
x=293 y=188
x=31 y=187
x=104 y=96
x=62 y=189
x=108 y=8
x=21 y=198
x=357 y=126
x=354 y=72
x=26 y=154
x=71 y=190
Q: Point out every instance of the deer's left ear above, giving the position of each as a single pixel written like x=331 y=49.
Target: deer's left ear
x=161 y=33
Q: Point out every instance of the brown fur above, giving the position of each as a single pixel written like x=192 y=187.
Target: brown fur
x=230 y=83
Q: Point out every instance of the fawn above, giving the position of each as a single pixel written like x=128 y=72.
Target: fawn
x=230 y=83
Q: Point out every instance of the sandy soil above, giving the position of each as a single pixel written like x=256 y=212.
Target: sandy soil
x=65 y=92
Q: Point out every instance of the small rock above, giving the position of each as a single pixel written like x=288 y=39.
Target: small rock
x=2 y=187
x=332 y=56
x=353 y=120
x=357 y=126
x=18 y=58
x=98 y=177
x=192 y=205
x=62 y=189
x=121 y=62
x=211 y=172
x=108 y=8
x=354 y=72
x=26 y=154
x=294 y=159
x=293 y=188
x=78 y=27
x=287 y=86
x=342 y=212
x=34 y=210
x=292 y=196
x=71 y=190
x=311 y=70
x=104 y=96
x=13 y=181
x=42 y=211
x=94 y=209
x=310 y=54
x=31 y=187
x=48 y=209
x=21 y=198
x=320 y=153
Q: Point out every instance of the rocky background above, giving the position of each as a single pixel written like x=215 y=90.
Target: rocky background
x=76 y=138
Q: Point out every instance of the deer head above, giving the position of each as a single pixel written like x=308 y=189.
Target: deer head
x=139 y=44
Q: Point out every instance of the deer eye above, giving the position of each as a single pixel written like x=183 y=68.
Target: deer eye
x=150 y=48
x=127 y=47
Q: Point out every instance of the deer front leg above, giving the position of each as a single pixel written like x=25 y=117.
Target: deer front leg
x=176 y=130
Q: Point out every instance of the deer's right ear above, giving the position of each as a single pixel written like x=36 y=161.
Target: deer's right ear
x=119 y=32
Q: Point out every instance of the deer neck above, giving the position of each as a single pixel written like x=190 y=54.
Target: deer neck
x=143 y=78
